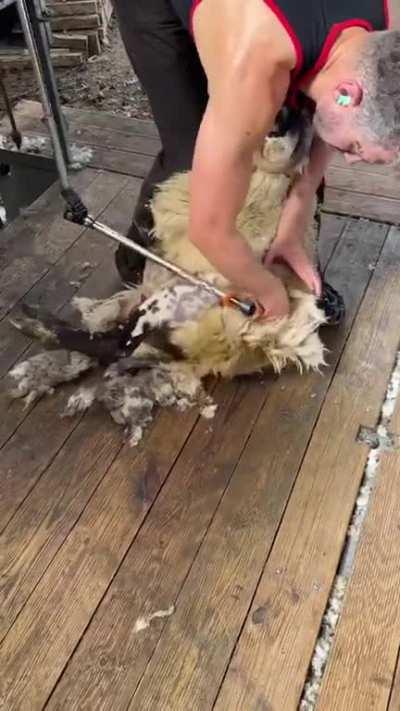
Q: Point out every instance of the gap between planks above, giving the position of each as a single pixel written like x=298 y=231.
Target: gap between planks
x=89 y=676
x=18 y=442
x=123 y=472
x=363 y=662
x=271 y=658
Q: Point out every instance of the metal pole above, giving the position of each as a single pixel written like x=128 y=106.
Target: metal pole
x=247 y=307
x=31 y=40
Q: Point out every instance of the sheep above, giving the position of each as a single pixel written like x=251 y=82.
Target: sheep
x=157 y=343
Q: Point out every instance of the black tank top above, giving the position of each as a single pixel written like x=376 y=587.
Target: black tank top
x=312 y=25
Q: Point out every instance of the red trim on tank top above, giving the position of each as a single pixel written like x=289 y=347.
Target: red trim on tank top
x=333 y=34
x=195 y=4
x=386 y=13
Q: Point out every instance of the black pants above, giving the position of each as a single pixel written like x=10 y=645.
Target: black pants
x=165 y=59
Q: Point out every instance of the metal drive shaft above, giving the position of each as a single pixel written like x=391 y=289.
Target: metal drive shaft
x=248 y=308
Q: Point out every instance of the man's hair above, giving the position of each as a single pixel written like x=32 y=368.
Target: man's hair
x=379 y=73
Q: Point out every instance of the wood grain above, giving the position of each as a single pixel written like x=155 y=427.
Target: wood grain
x=44 y=520
x=27 y=449
x=27 y=113
x=74 y=268
x=78 y=7
x=365 y=652
x=78 y=42
x=368 y=182
x=22 y=60
x=31 y=246
x=191 y=657
x=47 y=630
x=161 y=556
x=362 y=205
x=394 y=703
x=75 y=22
x=332 y=228
x=270 y=663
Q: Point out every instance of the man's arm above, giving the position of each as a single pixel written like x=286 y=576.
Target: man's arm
x=248 y=70
x=296 y=216
x=234 y=126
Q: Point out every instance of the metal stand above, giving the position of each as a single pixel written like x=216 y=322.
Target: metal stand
x=34 y=20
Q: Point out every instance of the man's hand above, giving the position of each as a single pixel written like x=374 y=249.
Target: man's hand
x=291 y=251
x=274 y=300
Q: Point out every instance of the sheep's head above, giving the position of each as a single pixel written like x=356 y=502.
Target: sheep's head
x=287 y=148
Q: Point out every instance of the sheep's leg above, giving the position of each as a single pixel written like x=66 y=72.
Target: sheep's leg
x=49 y=329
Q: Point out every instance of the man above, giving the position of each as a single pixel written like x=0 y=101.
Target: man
x=217 y=72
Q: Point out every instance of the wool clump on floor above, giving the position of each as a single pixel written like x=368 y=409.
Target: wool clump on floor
x=154 y=345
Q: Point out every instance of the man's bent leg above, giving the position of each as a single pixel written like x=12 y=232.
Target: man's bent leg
x=166 y=62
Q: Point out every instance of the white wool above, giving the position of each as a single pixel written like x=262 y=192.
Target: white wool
x=98 y=315
x=80 y=156
x=81 y=400
x=324 y=644
x=136 y=436
x=143 y=622
x=29 y=144
x=35 y=144
x=3 y=215
x=208 y=412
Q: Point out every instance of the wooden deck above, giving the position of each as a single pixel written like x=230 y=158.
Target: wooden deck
x=236 y=526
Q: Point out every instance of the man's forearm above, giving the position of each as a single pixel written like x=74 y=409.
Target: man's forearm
x=300 y=204
x=233 y=258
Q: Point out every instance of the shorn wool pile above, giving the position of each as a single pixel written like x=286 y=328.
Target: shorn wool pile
x=156 y=343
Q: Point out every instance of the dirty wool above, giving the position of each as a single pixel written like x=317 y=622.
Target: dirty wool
x=154 y=345
x=80 y=155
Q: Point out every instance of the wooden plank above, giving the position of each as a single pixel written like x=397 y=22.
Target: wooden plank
x=144 y=483
x=27 y=450
x=60 y=58
x=123 y=140
x=270 y=663
x=48 y=514
x=67 y=278
x=27 y=111
x=101 y=138
x=365 y=652
x=109 y=159
x=77 y=7
x=332 y=228
x=161 y=556
x=205 y=626
x=141 y=127
x=78 y=42
x=386 y=185
x=54 y=292
x=44 y=635
x=94 y=44
x=77 y=22
x=394 y=703
x=359 y=204
x=20 y=265
x=120 y=161
x=32 y=246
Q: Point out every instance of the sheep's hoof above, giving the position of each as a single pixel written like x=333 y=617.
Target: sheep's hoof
x=332 y=304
